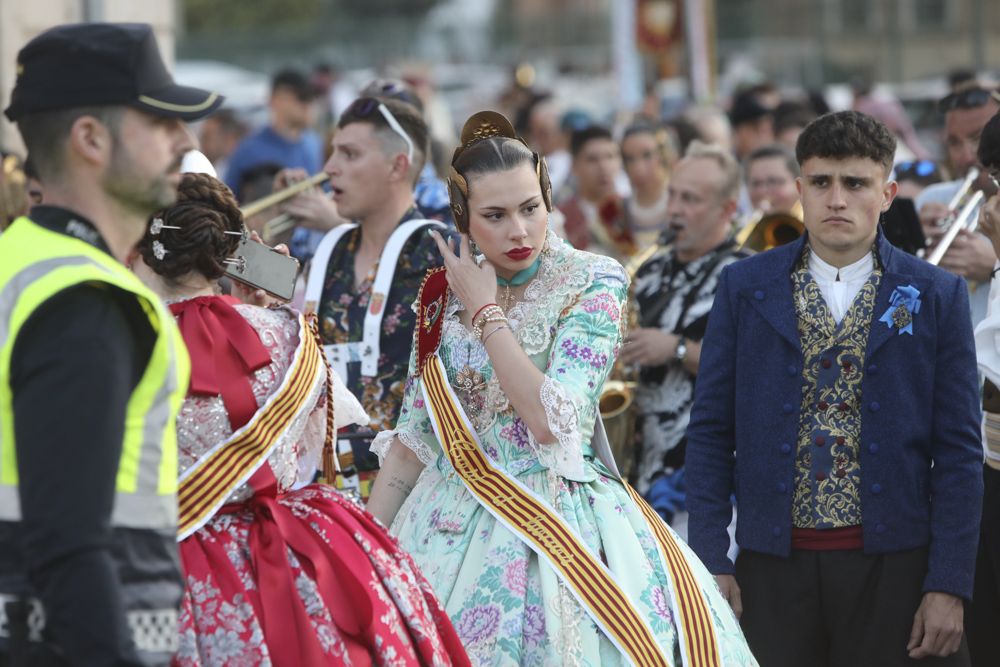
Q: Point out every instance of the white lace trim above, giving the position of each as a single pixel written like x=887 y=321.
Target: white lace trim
x=412 y=441
x=564 y=273
x=565 y=456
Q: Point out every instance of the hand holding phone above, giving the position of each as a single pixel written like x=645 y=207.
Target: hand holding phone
x=260 y=267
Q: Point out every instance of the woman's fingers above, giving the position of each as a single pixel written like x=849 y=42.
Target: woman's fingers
x=443 y=248
x=466 y=248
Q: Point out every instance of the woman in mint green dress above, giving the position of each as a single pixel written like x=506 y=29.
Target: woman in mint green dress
x=529 y=334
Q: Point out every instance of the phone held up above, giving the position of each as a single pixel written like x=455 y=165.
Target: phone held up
x=261 y=267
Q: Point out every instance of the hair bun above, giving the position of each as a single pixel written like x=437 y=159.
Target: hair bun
x=486 y=124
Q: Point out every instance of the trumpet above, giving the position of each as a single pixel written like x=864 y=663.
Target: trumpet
x=253 y=208
x=282 y=222
x=960 y=215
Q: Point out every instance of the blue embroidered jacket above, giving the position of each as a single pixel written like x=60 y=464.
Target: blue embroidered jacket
x=920 y=406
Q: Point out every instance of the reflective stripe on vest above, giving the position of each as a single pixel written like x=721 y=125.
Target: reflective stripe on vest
x=36 y=264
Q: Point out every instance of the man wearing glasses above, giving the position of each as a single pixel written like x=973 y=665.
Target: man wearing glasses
x=365 y=276
x=971 y=255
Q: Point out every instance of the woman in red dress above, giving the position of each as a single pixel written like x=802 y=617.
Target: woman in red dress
x=278 y=571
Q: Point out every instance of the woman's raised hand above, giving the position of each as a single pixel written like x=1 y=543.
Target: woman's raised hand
x=474 y=284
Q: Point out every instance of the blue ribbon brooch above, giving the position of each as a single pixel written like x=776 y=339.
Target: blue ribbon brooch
x=903 y=305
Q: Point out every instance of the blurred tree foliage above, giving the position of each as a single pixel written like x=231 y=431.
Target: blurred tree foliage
x=201 y=16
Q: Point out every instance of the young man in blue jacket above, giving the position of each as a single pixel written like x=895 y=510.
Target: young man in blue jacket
x=838 y=399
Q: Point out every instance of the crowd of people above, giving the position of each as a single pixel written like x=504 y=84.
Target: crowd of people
x=408 y=462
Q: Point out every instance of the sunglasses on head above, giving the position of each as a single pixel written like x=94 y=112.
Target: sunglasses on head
x=921 y=168
x=969 y=98
x=366 y=106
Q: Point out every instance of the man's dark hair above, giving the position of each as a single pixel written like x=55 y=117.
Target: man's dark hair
x=774 y=150
x=295 y=82
x=580 y=138
x=257 y=181
x=45 y=134
x=792 y=114
x=847 y=134
x=989 y=144
x=229 y=121
x=408 y=117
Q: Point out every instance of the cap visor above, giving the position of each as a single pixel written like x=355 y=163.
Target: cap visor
x=179 y=102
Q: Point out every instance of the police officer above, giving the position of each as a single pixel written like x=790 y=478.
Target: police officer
x=92 y=369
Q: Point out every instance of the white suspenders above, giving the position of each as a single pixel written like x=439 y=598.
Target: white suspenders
x=368 y=349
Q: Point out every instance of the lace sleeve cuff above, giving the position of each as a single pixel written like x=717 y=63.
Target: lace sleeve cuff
x=565 y=456
x=380 y=446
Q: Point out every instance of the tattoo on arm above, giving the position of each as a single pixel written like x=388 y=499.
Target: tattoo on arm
x=400 y=485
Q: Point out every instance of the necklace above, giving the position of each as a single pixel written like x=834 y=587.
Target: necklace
x=520 y=278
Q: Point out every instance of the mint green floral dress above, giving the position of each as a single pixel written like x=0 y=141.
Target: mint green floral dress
x=507 y=606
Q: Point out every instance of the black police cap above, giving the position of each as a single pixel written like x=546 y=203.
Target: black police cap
x=98 y=64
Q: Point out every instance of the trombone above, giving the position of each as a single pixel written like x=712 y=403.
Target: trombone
x=960 y=216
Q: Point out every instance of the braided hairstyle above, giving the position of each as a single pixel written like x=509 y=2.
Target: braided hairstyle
x=204 y=211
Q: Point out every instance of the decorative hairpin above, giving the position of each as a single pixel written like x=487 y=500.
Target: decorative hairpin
x=157 y=226
x=159 y=251
x=239 y=263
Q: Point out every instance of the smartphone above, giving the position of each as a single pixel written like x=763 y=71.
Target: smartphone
x=261 y=267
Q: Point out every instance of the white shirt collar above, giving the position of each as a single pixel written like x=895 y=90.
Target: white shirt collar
x=859 y=270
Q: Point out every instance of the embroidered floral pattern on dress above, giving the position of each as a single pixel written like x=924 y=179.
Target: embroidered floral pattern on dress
x=507 y=605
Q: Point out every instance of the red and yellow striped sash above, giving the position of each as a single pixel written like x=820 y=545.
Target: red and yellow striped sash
x=530 y=517
x=204 y=487
x=699 y=645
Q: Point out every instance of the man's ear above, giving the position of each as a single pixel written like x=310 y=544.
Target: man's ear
x=401 y=166
x=90 y=140
x=888 y=194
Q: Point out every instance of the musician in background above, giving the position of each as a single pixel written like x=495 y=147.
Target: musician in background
x=984 y=611
x=770 y=178
x=674 y=291
x=971 y=256
x=365 y=275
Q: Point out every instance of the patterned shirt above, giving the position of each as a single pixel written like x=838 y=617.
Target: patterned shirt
x=342 y=316
x=677 y=298
x=827 y=463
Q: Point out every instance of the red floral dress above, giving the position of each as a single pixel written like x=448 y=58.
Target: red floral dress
x=291 y=573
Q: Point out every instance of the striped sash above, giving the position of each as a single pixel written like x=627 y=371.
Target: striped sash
x=204 y=487
x=530 y=517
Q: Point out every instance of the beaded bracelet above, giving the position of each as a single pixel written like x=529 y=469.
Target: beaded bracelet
x=477 y=330
x=502 y=326
x=481 y=310
x=484 y=315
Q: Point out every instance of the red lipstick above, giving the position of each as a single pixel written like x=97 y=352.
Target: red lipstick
x=518 y=254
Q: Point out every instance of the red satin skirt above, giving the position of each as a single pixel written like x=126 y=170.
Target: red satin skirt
x=307 y=578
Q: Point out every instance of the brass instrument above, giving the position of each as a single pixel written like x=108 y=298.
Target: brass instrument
x=765 y=231
x=282 y=222
x=617 y=401
x=961 y=215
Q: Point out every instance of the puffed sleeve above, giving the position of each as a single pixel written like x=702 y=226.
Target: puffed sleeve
x=587 y=338
x=413 y=428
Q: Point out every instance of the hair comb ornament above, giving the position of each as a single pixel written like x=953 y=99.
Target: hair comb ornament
x=481 y=126
x=159 y=250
